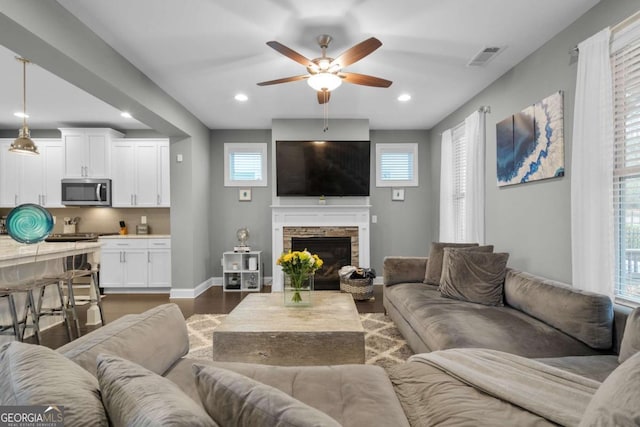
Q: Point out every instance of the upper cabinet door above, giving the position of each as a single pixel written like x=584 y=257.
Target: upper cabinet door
x=164 y=183
x=146 y=174
x=53 y=174
x=9 y=175
x=86 y=152
x=123 y=187
x=74 y=155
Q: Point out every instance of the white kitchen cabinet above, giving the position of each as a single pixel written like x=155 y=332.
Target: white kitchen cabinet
x=86 y=151
x=31 y=179
x=140 y=173
x=132 y=263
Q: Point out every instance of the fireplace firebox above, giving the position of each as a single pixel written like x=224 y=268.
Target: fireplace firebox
x=335 y=252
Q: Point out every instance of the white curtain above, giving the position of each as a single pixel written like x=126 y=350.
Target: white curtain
x=474 y=192
x=447 y=219
x=592 y=245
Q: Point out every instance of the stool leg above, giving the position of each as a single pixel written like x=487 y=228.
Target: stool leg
x=63 y=310
x=14 y=318
x=71 y=303
x=96 y=287
x=31 y=302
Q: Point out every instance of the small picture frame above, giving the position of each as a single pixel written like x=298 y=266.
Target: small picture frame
x=397 y=194
x=244 y=194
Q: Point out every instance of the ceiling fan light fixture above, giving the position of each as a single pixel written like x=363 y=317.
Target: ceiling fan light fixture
x=324 y=82
x=24 y=144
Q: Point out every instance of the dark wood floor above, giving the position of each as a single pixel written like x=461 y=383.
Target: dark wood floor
x=213 y=301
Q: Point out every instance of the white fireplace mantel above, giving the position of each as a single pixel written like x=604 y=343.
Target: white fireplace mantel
x=318 y=216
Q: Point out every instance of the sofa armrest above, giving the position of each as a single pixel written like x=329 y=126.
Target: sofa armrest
x=154 y=339
x=398 y=269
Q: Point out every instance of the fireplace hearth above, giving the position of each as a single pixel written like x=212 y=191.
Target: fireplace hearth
x=335 y=252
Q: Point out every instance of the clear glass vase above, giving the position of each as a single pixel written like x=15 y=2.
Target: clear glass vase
x=298 y=290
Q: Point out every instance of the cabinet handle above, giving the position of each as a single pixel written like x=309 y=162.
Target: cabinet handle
x=158 y=199
x=124 y=256
x=15 y=199
x=149 y=257
x=44 y=199
x=135 y=199
x=132 y=200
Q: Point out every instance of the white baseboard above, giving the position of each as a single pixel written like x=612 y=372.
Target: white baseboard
x=192 y=293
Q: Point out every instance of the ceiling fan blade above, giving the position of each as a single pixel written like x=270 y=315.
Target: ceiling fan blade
x=323 y=96
x=284 y=80
x=291 y=54
x=357 y=52
x=365 y=80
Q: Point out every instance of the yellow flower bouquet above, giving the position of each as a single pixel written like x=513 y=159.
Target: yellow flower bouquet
x=299 y=265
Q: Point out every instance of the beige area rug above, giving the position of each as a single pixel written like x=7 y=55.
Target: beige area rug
x=384 y=345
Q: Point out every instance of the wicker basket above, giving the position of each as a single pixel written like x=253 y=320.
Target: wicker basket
x=361 y=289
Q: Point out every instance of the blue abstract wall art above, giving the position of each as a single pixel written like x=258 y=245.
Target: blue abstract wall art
x=530 y=144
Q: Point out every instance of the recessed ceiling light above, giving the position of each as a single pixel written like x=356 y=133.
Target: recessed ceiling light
x=241 y=97
x=126 y=115
x=404 y=97
x=21 y=114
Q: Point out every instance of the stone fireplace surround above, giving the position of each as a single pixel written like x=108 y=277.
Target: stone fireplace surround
x=318 y=221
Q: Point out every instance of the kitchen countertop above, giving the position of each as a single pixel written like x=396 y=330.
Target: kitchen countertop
x=137 y=236
x=14 y=253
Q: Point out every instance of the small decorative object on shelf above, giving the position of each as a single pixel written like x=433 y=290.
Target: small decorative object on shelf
x=243 y=235
x=322 y=201
x=298 y=268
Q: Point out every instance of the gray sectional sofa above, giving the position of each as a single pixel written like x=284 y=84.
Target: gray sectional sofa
x=145 y=379
x=541 y=318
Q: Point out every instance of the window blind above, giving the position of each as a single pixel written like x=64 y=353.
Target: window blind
x=245 y=166
x=459 y=141
x=625 y=60
x=396 y=166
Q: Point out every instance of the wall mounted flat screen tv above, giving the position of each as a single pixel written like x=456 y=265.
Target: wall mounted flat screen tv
x=323 y=168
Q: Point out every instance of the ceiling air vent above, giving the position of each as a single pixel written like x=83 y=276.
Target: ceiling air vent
x=484 y=56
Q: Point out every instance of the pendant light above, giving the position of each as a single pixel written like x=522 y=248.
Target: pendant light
x=23 y=144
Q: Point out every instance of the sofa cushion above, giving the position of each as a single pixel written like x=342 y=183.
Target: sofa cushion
x=616 y=401
x=353 y=395
x=473 y=276
x=584 y=315
x=631 y=339
x=434 y=263
x=233 y=399
x=154 y=339
x=443 y=323
x=135 y=396
x=36 y=375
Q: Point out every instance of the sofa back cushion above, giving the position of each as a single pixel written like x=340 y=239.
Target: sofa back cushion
x=630 y=344
x=473 y=276
x=434 y=263
x=586 y=316
x=615 y=403
x=154 y=339
x=36 y=375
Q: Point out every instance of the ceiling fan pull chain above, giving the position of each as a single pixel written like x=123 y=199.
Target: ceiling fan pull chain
x=326 y=112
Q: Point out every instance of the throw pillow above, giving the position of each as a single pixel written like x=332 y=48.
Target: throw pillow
x=36 y=375
x=135 y=396
x=434 y=263
x=630 y=344
x=474 y=276
x=615 y=403
x=234 y=399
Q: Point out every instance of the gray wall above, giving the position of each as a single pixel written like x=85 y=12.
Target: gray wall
x=402 y=228
x=532 y=221
x=227 y=214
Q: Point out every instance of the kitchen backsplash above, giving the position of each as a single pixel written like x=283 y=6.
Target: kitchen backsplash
x=106 y=220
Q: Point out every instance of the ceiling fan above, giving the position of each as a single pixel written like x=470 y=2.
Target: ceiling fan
x=325 y=73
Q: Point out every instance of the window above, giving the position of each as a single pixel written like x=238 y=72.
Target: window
x=397 y=165
x=459 y=168
x=625 y=60
x=245 y=164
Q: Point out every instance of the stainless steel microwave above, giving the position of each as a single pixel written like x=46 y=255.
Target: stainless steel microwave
x=86 y=192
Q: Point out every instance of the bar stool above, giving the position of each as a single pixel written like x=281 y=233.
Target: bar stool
x=30 y=308
x=60 y=310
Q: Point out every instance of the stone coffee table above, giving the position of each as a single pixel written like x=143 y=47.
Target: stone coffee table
x=262 y=330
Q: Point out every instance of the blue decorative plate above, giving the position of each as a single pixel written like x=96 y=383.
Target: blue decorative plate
x=29 y=223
